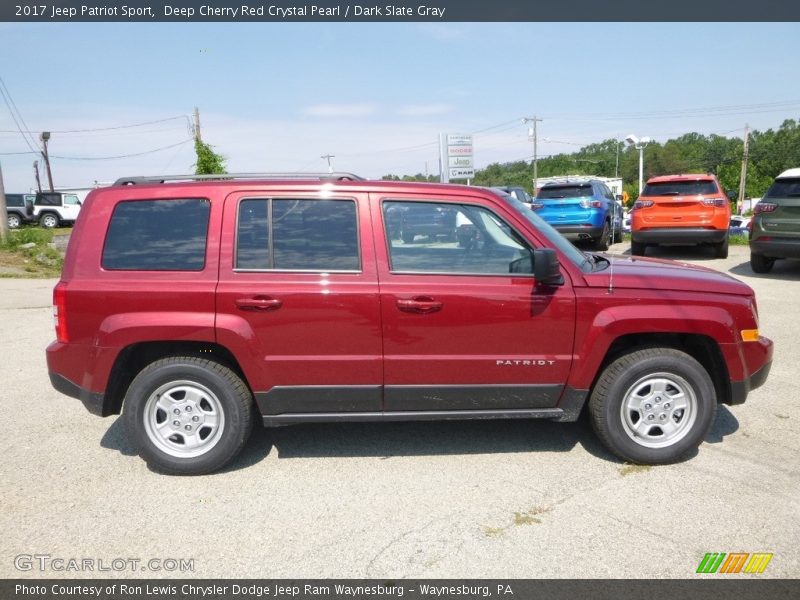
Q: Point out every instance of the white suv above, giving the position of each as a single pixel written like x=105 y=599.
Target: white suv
x=52 y=209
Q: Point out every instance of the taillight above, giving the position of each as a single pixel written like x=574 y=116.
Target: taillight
x=60 y=311
x=591 y=204
x=764 y=207
x=643 y=204
x=715 y=202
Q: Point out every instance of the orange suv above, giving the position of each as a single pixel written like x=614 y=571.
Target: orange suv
x=681 y=209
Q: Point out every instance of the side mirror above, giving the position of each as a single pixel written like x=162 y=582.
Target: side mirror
x=618 y=197
x=546 y=268
x=733 y=195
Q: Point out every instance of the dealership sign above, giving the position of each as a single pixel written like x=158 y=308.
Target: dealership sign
x=457 y=155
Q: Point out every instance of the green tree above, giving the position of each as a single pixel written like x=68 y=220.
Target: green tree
x=208 y=161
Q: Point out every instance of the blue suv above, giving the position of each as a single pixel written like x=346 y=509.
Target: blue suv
x=581 y=210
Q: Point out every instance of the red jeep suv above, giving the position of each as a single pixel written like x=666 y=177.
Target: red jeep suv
x=196 y=306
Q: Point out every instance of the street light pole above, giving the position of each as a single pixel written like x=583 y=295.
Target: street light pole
x=639 y=144
x=532 y=134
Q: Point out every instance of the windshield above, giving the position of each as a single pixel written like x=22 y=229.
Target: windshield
x=556 y=239
x=680 y=188
x=564 y=191
x=784 y=188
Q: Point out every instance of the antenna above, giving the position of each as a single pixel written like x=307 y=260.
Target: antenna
x=611 y=274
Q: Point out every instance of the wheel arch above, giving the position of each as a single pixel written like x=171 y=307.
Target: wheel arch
x=135 y=357
x=704 y=349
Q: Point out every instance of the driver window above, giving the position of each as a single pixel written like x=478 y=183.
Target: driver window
x=439 y=237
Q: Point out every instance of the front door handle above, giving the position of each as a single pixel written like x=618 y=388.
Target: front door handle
x=259 y=303
x=420 y=305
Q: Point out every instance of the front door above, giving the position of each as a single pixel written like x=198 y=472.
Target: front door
x=462 y=331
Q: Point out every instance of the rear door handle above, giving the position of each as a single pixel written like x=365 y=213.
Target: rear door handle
x=260 y=303
x=420 y=305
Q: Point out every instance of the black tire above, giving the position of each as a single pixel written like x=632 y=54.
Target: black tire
x=49 y=220
x=721 y=249
x=601 y=244
x=760 y=263
x=14 y=221
x=638 y=248
x=632 y=370
x=228 y=394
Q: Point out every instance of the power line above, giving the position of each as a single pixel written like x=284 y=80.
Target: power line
x=124 y=155
x=9 y=103
x=116 y=127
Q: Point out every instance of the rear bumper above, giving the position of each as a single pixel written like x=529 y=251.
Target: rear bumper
x=679 y=235
x=579 y=232
x=776 y=247
x=94 y=402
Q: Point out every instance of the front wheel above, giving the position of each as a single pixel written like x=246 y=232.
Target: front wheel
x=653 y=405
x=187 y=415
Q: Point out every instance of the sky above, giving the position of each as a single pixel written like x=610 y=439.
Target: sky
x=278 y=96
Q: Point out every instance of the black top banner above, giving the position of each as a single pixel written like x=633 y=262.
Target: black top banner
x=148 y=11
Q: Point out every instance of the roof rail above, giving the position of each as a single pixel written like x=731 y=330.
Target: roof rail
x=337 y=176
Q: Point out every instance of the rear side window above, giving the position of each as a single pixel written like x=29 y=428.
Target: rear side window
x=681 y=188
x=157 y=235
x=565 y=191
x=14 y=200
x=48 y=199
x=288 y=234
x=784 y=188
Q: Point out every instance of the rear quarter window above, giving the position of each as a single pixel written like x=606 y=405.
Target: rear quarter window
x=157 y=235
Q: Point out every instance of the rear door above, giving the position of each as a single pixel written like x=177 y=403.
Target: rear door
x=298 y=297
x=461 y=331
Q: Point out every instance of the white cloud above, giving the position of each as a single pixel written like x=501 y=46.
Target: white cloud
x=340 y=110
x=424 y=110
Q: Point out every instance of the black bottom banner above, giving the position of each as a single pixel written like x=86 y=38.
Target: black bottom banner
x=444 y=589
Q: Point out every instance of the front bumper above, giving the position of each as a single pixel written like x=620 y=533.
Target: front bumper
x=679 y=235
x=759 y=358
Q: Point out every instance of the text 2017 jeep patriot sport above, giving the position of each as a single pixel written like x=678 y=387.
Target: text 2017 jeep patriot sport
x=196 y=306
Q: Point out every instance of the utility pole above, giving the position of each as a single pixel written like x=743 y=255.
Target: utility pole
x=197 y=135
x=3 y=210
x=532 y=134
x=328 y=157
x=36 y=172
x=45 y=137
x=616 y=168
x=743 y=176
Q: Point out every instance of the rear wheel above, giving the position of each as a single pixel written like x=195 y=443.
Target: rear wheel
x=653 y=405
x=602 y=243
x=760 y=263
x=49 y=221
x=638 y=248
x=14 y=221
x=721 y=249
x=187 y=415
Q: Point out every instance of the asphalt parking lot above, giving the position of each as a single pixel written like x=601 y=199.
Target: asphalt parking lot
x=458 y=499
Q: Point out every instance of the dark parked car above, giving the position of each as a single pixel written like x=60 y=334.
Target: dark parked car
x=775 y=227
x=20 y=209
